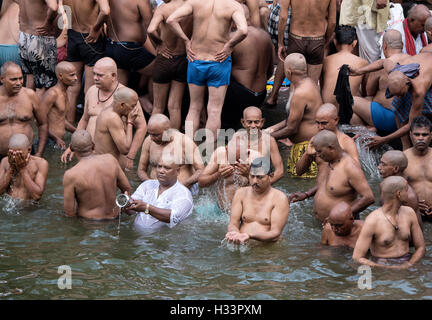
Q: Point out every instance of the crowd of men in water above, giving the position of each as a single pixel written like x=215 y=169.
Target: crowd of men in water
x=132 y=59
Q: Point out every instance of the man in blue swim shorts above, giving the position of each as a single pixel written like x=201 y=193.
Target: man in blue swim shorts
x=209 y=54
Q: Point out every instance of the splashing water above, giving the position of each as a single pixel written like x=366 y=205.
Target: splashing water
x=12 y=206
x=369 y=159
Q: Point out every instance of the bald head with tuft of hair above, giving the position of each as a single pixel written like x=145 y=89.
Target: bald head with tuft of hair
x=393 y=39
x=296 y=63
x=81 y=142
x=325 y=138
x=391 y=185
x=19 y=141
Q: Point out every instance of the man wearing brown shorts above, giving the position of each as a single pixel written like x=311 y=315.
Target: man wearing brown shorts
x=311 y=28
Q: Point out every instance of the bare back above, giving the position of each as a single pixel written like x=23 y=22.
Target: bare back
x=309 y=17
x=126 y=20
x=94 y=181
x=9 y=25
x=84 y=14
x=212 y=21
x=32 y=14
x=252 y=59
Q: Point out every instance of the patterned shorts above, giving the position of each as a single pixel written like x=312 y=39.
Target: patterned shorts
x=273 y=22
x=38 y=56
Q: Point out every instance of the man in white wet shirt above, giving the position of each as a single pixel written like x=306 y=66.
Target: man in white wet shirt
x=161 y=202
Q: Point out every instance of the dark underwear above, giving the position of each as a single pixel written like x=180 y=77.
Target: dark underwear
x=128 y=55
x=392 y=261
x=311 y=47
x=165 y=70
x=79 y=50
x=238 y=98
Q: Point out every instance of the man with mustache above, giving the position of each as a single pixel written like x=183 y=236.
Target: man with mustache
x=258 y=211
x=419 y=170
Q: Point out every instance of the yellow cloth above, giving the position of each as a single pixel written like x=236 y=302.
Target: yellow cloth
x=297 y=150
x=359 y=12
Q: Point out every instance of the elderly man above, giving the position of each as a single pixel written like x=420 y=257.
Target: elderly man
x=303 y=102
x=258 y=211
x=170 y=66
x=98 y=98
x=90 y=186
x=413 y=95
x=22 y=175
x=161 y=202
x=387 y=231
x=86 y=44
x=260 y=140
x=110 y=134
x=18 y=108
x=342 y=179
x=56 y=104
x=311 y=29
x=163 y=140
x=341 y=229
x=412 y=29
x=209 y=53
x=419 y=170
x=37 y=44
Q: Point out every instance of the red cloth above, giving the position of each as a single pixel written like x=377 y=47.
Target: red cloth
x=409 y=40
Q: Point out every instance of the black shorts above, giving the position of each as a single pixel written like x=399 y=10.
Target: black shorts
x=165 y=70
x=238 y=98
x=78 y=50
x=130 y=56
x=311 y=48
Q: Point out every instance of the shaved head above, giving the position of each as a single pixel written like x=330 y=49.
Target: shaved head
x=328 y=110
x=428 y=24
x=341 y=212
x=325 y=138
x=419 y=12
x=81 y=141
x=397 y=83
x=393 y=39
x=64 y=67
x=107 y=64
x=19 y=141
x=396 y=158
x=125 y=94
x=391 y=185
x=252 y=111
x=296 y=62
x=8 y=65
x=159 y=121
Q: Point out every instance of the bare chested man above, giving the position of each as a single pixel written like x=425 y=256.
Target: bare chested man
x=170 y=65
x=110 y=134
x=56 y=104
x=258 y=211
x=342 y=179
x=311 y=28
x=252 y=65
x=388 y=230
x=86 y=44
x=98 y=98
x=37 y=43
x=326 y=119
x=419 y=170
x=254 y=9
x=304 y=100
x=92 y=182
x=394 y=163
x=9 y=31
x=229 y=169
x=378 y=113
x=341 y=229
x=163 y=139
x=18 y=108
x=209 y=53
x=345 y=41
x=412 y=97
x=261 y=141
x=127 y=34
x=22 y=175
